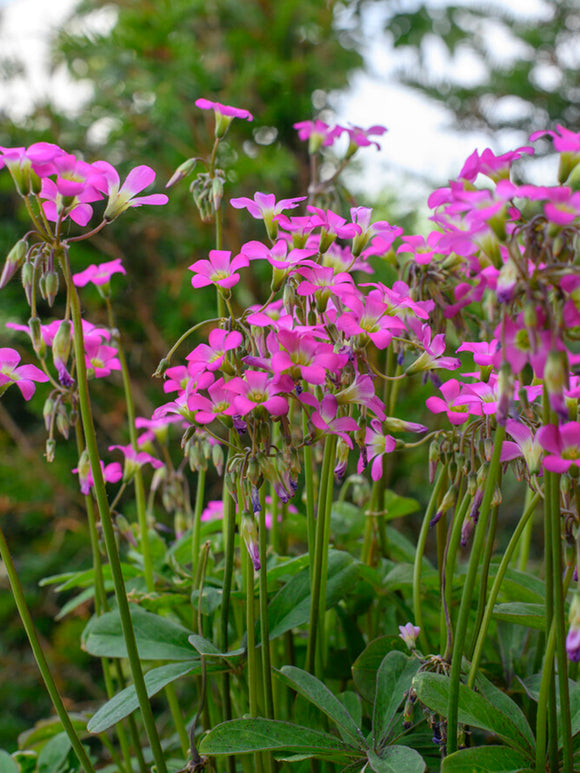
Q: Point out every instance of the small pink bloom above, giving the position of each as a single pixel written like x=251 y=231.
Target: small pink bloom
x=377 y=444
x=121 y=197
x=99 y=275
x=220 y=342
x=562 y=445
x=326 y=420
x=451 y=390
x=219 y=270
x=23 y=376
x=112 y=473
x=225 y=110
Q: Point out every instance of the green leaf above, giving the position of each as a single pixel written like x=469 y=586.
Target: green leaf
x=317 y=693
x=286 y=568
x=290 y=607
x=474 y=709
x=205 y=647
x=487 y=759
x=397 y=759
x=520 y=613
x=126 y=702
x=7 y=764
x=45 y=729
x=211 y=599
x=365 y=667
x=520 y=586
x=346 y=520
x=241 y=736
x=158 y=638
x=53 y=754
x=394 y=678
x=397 y=506
x=506 y=705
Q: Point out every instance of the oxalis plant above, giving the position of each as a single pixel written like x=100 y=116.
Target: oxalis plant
x=288 y=623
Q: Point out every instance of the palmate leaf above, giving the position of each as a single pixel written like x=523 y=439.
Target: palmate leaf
x=241 y=736
x=318 y=693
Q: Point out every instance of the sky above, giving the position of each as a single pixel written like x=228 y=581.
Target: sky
x=419 y=138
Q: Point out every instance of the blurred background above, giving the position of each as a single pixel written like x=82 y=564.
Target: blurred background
x=117 y=80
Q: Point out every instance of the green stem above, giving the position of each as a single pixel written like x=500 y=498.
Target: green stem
x=420 y=552
x=553 y=514
x=467 y=595
x=496 y=587
x=196 y=529
x=484 y=576
x=39 y=656
x=310 y=503
x=448 y=574
x=546 y=681
x=317 y=601
x=107 y=524
x=526 y=541
x=264 y=628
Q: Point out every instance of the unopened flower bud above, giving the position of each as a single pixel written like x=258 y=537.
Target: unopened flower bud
x=505 y=387
x=467 y=531
x=62 y=422
x=217 y=457
x=555 y=381
x=27 y=277
x=217 y=191
x=14 y=261
x=161 y=368
x=124 y=528
x=50 y=450
x=250 y=537
x=434 y=456
x=506 y=281
x=446 y=504
x=342 y=454
x=35 y=330
x=61 y=347
x=50 y=286
x=182 y=171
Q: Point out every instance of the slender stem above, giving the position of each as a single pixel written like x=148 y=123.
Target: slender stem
x=420 y=552
x=39 y=656
x=264 y=627
x=316 y=599
x=448 y=572
x=553 y=515
x=196 y=530
x=496 y=587
x=526 y=540
x=484 y=576
x=546 y=681
x=310 y=503
x=107 y=524
x=468 y=587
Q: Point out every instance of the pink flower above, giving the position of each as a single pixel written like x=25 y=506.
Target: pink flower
x=525 y=445
x=562 y=444
x=301 y=356
x=220 y=342
x=225 y=110
x=326 y=420
x=377 y=444
x=125 y=196
x=219 y=270
x=451 y=390
x=259 y=390
x=218 y=404
x=99 y=275
x=359 y=137
x=317 y=133
x=563 y=207
x=368 y=319
x=495 y=167
x=264 y=207
x=566 y=142
x=135 y=459
x=112 y=473
x=23 y=376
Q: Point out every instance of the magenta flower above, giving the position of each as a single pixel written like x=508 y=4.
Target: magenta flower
x=451 y=390
x=135 y=459
x=259 y=390
x=125 y=196
x=432 y=358
x=264 y=207
x=563 y=207
x=112 y=473
x=100 y=359
x=368 y=319
x=302 y=356
x=99 y=275
x=562 y=444
x=359 y=137
x=495 y=167
x=220 y=342
x=317 y=133
x=218 y=404
x=409 y=634
x=219 y=270
x=377 y=444
x=23 y=376
x=525 y=445
x=565 y=142
x=77 y=185
x=226 y=110
x=326 y=420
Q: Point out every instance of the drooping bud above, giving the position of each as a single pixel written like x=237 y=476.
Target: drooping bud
x=27 y=277
x=50 y=286
x=446 y=504
x=182 y=171
x=50 y=450
x=61 y=348
x=250 y=536
x=35 y=330
x=14 y=261
x=556 y=380
x=506 y=281
x=409 y=633
x=505 y=386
